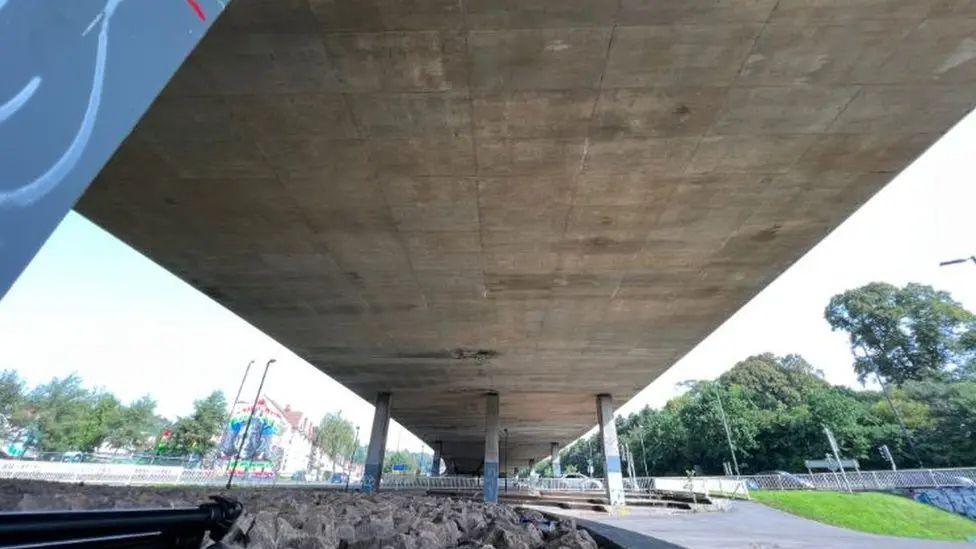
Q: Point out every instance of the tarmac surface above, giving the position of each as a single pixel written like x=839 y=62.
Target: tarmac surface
x=747 y=524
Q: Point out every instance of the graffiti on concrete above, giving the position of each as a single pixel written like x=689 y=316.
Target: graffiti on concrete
x=30 y=192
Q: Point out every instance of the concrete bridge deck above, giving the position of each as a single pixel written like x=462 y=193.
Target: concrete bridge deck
x=547 y=200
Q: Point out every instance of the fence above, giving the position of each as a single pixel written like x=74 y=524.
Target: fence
x=864 y=480
x=135 y=474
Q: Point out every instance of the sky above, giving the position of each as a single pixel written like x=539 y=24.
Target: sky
x=89 y=304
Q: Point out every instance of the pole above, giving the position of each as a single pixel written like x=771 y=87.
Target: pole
x=247 y=426
x=643 y=452
x=728 y=432
x=901 y=422
x=352 y=456
x=840 y=464
x=505 y=457
x=238 y=395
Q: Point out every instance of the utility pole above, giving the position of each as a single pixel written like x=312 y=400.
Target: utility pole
x=728 y=432
x=247 y=426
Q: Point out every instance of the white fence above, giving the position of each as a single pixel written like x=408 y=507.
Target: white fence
x=131 y=474
x=865 y=480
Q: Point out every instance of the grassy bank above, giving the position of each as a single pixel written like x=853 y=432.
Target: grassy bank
x=874 y=513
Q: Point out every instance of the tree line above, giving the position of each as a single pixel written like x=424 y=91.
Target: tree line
x=914 y=346
x=63 y=415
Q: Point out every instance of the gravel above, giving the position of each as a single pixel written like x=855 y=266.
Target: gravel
x=321 y=519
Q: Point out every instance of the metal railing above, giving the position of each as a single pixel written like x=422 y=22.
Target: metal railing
x=864 y=480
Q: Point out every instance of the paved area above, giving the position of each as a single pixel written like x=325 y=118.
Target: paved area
x=747 y=524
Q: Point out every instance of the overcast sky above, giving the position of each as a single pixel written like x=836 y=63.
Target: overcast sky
x=89 y=304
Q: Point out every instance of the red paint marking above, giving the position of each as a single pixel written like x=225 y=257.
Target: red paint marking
x=196 y=7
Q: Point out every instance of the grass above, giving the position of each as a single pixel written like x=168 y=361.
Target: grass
x=874 y=513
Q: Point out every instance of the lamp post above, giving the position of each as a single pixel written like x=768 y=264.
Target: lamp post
x=505 y=458
x=352 y=456
x=728 y=432
x=238 y=395
x=958 y=261
x=247 y=426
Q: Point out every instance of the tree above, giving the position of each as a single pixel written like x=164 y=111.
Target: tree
x=902 y=334
x=401 y=458
x=12 y=399
x=197 y=433
x=57 y=409
x=137 y=424
x=336 y=436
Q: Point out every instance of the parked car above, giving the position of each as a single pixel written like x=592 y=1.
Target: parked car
x=338 y=478
x=577 y=481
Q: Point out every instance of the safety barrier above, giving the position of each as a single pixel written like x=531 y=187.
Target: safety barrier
x=864 y=480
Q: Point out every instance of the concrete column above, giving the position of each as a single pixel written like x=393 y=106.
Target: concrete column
x=611 y=452
x=557 y=470
x=491 y=449
x=377 y=444
x=435 y=466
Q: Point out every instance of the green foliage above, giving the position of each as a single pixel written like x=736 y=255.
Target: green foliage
x=197 y=433
x=401 y=457
x=882 y=514
x=336 y=436
x=903 y=334
x=68 y=417
x=776 y=409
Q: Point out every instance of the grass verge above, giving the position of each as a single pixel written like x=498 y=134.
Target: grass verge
x=871 y=512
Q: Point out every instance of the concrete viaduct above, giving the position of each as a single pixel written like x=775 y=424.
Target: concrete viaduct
x=489 y=215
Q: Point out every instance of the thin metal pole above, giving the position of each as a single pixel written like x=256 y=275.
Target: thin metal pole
x=728 y=432
x=901 y=422
x=643 y=450
x=238 y=395
x=504 y=455
x=351 y=457
x=247 y=426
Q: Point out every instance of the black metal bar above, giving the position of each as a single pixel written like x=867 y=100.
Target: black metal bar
x=142 y=528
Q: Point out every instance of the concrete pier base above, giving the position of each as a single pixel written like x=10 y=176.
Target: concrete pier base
x=608 y=435
x=557 y=470
x=491 y=449
x=377 y=444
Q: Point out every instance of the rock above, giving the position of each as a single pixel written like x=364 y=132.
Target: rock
x=321 y=519
x=577 y=539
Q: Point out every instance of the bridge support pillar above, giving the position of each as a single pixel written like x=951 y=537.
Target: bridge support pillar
x=377 y=444
x=491 y=448
x=435 y=464
x=611 y=452
x=557 y=470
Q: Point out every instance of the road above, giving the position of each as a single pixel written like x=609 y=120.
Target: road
x=747 y=525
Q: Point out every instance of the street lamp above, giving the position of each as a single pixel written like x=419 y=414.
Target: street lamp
x=958 y=261
x=505 y=458
x=352 y=456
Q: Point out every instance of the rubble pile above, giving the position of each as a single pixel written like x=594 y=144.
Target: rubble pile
x=321 y=519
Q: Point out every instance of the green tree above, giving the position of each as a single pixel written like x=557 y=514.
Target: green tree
x=400 y=457
x=137 y=424
x=197 y=433
x=902 y=334
x=336 y=436
x=12 y=399
x=58 y=411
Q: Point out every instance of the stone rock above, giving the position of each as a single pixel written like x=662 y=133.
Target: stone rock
x=285 y=518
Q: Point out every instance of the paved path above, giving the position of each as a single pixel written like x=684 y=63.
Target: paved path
x=748 y=525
